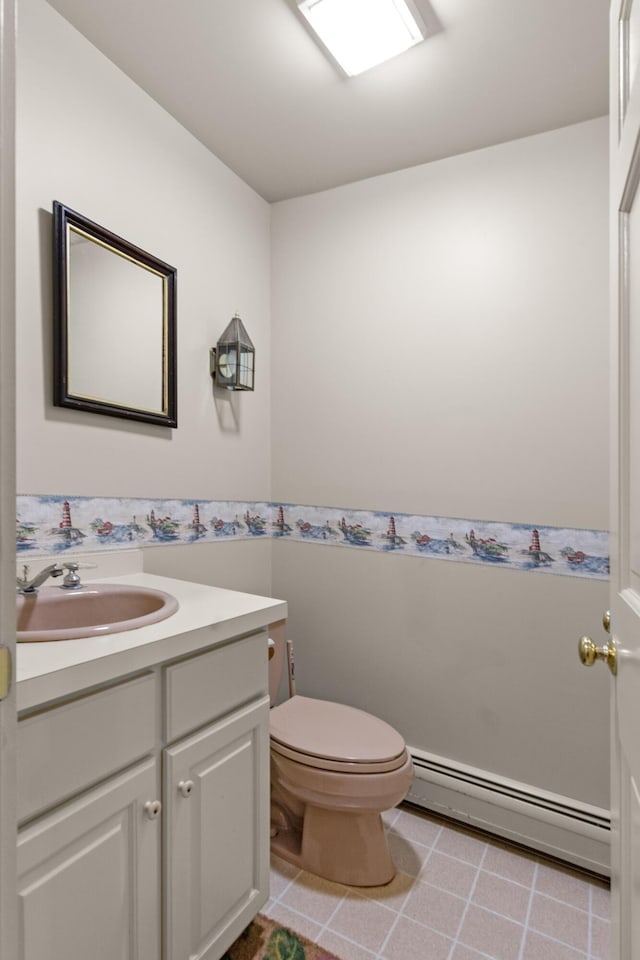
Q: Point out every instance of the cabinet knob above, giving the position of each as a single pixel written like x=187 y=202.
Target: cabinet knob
x=152 y=809
x=185 y=787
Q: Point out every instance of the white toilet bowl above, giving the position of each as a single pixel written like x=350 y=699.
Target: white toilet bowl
x=334 y=769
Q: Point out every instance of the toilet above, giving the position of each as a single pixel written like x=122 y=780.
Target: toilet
x=334 y=770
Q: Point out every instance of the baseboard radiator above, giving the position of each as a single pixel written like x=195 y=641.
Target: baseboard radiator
x=557 y=826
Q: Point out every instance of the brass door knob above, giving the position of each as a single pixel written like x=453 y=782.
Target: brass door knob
x=589 y=653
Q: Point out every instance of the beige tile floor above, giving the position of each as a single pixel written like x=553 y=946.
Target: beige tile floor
x=457 y=896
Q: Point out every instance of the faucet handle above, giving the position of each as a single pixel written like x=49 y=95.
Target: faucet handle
x=72 y=580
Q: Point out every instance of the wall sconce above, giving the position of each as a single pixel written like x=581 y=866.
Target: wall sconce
x=232 y=359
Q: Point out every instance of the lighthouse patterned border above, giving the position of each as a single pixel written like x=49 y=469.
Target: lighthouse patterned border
x=53 y=524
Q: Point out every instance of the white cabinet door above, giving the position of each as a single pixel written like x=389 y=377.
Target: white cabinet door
x=89 y=875
x=216 y=790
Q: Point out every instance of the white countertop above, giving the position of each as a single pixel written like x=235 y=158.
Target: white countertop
x=206 y=616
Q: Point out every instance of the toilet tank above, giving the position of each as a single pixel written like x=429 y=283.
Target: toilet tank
x=276 y=662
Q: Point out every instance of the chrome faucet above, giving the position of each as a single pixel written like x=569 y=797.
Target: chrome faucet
x=24 y=585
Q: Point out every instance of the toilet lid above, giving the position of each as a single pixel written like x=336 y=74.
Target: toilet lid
x=335 y=732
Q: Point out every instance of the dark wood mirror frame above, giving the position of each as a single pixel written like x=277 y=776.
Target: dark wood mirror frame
x=144 y=364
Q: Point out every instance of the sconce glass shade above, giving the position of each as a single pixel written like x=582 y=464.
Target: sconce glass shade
x=235 y=353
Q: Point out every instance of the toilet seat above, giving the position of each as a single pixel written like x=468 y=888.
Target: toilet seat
x=335 y=737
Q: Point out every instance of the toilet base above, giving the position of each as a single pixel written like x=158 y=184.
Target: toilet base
x=345 y=847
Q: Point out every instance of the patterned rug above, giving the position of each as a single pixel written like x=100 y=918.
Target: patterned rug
x=264 y=939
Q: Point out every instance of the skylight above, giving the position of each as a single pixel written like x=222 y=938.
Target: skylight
x=360 y=34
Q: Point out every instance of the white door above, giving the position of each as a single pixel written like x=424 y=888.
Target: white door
x=625 y=476
x=8 y=906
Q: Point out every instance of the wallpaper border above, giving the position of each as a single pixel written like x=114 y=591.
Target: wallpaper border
x=55 y=524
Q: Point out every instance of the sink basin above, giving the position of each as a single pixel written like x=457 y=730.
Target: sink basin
x=55 y=613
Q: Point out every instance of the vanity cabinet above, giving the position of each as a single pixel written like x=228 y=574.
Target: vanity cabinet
x=170 y=767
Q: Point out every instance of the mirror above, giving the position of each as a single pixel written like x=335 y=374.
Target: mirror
x=114 y=324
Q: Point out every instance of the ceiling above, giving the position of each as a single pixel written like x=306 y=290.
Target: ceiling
x=247 y=79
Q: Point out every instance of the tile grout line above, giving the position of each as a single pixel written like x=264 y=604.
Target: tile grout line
x=422 y=923
x=431 y=850
x=525 y=930
x=325 y=925
x=287 y=887
x=565 y=903
x=556 y=938
x=394 y=825
x=389 y=823
x=399 y=913
x=456 y=939
x=494 y=873
x=306 y=916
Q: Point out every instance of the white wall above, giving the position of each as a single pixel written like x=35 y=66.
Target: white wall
x=443 y=333
x=90 y=138
x=440 y=347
